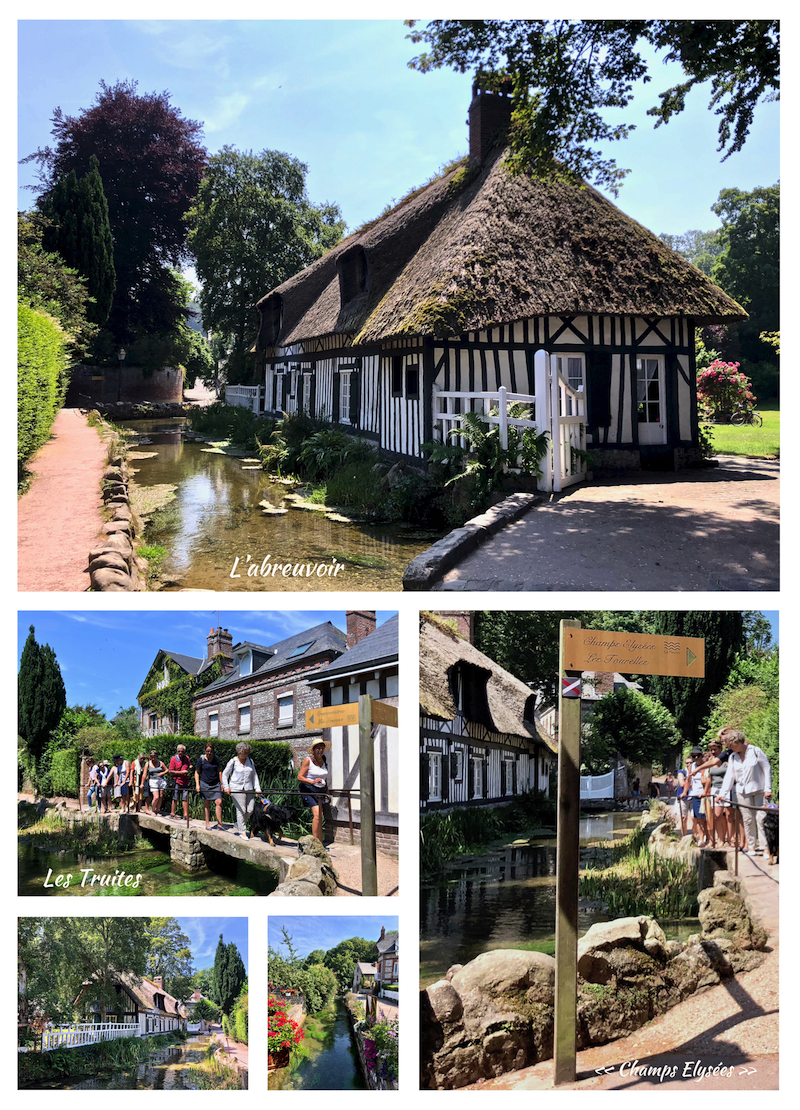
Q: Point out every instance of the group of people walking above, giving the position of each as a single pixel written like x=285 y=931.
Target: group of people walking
x=726 y=790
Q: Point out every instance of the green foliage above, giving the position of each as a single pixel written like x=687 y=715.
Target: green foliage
x=240 y=426
x=81 y=234
x=750 y=702
x=723 y=387
x=42 y=364
x=205 y=1010
x=562 y=74
x=175 y=699
x=702 y=248
x=252 y=227
x=169 y=955
x=642 y=882
x=41 y=695
x=229 y=976
x=65 y=773
x=634 y=725
x=689 y=699
x=45 y=283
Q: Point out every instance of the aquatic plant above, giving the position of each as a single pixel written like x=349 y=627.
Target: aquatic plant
x=639 y=881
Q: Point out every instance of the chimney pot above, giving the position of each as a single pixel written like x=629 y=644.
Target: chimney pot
x=360 y=623
x=489 y=119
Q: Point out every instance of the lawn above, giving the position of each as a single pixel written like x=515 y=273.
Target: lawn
x=749 y=440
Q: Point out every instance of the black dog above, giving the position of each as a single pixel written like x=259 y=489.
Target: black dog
x=771 y=832
x=269 y=818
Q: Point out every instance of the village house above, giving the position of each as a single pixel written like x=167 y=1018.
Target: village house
x=387 y=964
x=481 y=740
x=363 y=977
x=481 y=280
x=369 y=666
x=142 y=1003
x=169 y=667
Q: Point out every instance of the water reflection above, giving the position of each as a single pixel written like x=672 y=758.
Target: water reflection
x=216 y=516
x=333 y=1063
x=167 y=1069
x=504 y=899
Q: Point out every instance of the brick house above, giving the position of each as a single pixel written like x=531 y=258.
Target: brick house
x=267 y=691
x=171 y=666
x=387 y=962
x=369 y=666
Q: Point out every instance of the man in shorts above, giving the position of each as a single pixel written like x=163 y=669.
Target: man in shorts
x=179 y=767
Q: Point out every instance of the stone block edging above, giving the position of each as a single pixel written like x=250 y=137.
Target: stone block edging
x=429 y=566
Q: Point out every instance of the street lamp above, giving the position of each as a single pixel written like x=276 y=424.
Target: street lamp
x=121 y=357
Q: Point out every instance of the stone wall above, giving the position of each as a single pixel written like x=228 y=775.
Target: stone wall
x=90 y=384
x=113 y=564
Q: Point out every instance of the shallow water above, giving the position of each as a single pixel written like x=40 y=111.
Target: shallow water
x=164 y=1070
x=507 y=899
x=333 y=1063
x=159 y=876
x=216 y=517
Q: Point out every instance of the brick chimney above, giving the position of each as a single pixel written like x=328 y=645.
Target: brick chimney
x=489 y=119
x=220 y=642
x=359 y=624
x=383 y=932
x=159 y=982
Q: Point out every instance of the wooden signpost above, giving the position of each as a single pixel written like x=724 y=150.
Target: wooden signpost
x=583 y=649
x=364 y=713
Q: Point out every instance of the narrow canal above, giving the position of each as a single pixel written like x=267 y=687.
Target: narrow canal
x=159 y=875
x=166 y=1069
x=332 y=1063
x=217 y=516
x=506 y=899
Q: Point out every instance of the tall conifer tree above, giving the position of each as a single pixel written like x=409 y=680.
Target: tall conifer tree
x=41 y=694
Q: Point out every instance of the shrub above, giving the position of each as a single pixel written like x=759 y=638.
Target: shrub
x=235 y=423
x=42 y=362
x=282 y=1032
x=64 y=773
x=239 y=1019
x=723 y=388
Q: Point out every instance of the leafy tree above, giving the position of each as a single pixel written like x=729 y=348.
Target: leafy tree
x=315 y=957
x=689 y=699
x=748 y=269
x=757 y=633
x=229 y=975
x=151 y=161
x=701 y=248
x=206 y=1011
x=46 y=283
x=42 y=698
x=81 y=234
x=170 y=955
x=127 y=723
x=203 y=981
x=630 y=724
x=563 y=73
x=342 y=959
x=252 y=227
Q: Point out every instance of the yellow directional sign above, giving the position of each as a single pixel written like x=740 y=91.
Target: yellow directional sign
x=631 y=653
x=383 y=714
x=333 y=716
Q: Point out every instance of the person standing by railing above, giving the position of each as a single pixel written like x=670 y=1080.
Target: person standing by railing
x=749 y=771
x=240 y=781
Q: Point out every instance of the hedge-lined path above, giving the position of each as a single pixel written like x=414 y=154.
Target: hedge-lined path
x=733 y=1025
x=59 y=517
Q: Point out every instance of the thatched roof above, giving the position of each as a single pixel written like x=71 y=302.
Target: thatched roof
x=142 y=991
x=477 y=248
x=509 y=700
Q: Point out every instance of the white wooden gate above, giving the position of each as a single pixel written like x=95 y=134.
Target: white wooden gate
x=565 y=463
x=245 y=396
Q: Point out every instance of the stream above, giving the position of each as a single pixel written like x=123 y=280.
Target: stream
x=333 y=1061
x=160 y=876
x=506 y=898
x=166 y=1069
x=216 y=517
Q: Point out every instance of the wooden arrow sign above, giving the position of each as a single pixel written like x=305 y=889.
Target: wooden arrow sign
x=586 y=649
x=333 y=716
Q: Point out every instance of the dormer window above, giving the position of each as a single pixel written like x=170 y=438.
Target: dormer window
x=353 y=274
x=271 y=321
x=246 y=664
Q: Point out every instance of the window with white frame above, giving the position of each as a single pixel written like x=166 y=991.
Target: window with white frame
x=457 y=759
x=244 y=718
x=245 y=663
x=344 y=397
x=213 y=724
x=571 y=369
x=307 y=393
x=435 y=777
x=508 y=776
x=286 y=709
x=279 y=392
x=477 y=776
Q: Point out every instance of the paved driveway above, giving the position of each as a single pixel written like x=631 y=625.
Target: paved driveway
x=711 y=529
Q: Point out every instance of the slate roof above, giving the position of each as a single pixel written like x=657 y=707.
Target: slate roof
x=480 y=247
x=324 y=638
x=388 y=940
x=379 y=648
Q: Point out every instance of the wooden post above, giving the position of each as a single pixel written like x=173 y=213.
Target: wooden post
x=366 y=760
x=503 y=415
x=567 y=844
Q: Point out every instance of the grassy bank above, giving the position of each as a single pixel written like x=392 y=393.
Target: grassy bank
x=94 y=1059
x=214 y=1073
x=749 y=440
x=96 y=836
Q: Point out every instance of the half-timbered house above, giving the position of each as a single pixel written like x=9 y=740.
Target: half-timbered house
x=480 y=743
x=481 y=289
x=142 y=1003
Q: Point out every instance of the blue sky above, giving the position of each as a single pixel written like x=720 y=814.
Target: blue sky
x=310 y=933
x=104 y=656
x=339 y=96
x=204 y=934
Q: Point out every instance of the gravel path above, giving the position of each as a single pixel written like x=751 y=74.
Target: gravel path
x=711 y=529
x=59 y=518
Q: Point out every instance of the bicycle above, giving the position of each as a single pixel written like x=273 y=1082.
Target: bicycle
x=747 y=416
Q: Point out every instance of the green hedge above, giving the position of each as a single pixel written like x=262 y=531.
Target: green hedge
x=42 y=362
x=271 y=757
x=64 y=773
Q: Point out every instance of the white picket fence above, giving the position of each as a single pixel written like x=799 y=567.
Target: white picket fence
x=244 y=396
x=595 y=787
x=74 y=1036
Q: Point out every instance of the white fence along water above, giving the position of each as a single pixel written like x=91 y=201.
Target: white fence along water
x=76 y=1035
x=245 y=396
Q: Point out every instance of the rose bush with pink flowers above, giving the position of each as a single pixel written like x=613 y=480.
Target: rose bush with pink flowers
x=722 y=387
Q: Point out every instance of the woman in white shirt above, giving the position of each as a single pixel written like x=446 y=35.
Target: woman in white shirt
x=240 y=781
x=313 y=779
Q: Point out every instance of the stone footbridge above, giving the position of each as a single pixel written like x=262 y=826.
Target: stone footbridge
x=188 y=846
